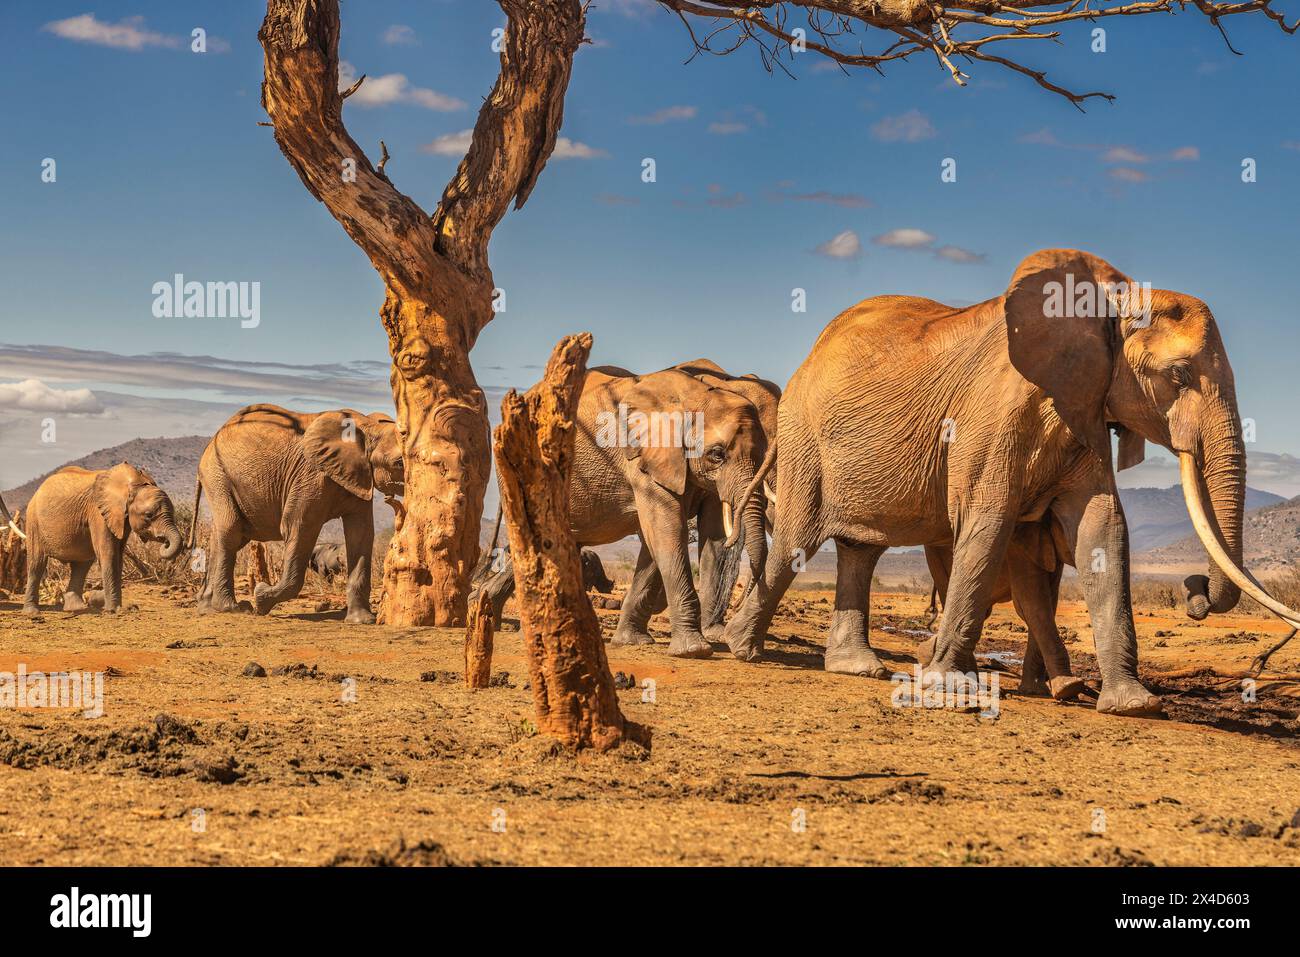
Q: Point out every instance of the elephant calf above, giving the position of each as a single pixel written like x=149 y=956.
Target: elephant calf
x=81 y=516
x=276 y=475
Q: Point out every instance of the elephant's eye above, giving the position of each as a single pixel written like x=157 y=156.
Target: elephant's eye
x=1181 y=375
x=715 y=455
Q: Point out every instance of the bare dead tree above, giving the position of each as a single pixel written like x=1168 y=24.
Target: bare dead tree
x=952 y=31
x=573 y=690
x=438 y=285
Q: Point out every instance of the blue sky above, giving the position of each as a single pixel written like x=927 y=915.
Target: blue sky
x=162 y=168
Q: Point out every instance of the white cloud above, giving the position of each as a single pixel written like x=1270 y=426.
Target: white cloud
x=1123 y=154
x=904 y=238
x=129 y=33
x=844 y=246
x=957 y=254
x=910 y=127
x=33 y=395
x=457 y=144
x=399 y=34
x=394 y=88
x=665 y=115
x=1126 y=174
x=450 y=144
x=719 y=128
x=566 y=148
x=1185 y=153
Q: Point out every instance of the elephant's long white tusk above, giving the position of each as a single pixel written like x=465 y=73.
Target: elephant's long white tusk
x=769 y=492
x=1218 y=554
x=728 y=528
x=16 y=530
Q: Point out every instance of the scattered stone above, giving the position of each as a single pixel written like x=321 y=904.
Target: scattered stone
x=220 y=771
x=1251 y=829
x=170 y=726
x=296 y=671
x=323 y=606
x=254 y=670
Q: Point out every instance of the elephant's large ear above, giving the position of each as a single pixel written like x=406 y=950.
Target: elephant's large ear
x=1062 y=337
x=113 y=496
x=335 y=443
x=1132 y=448
x=663 y=462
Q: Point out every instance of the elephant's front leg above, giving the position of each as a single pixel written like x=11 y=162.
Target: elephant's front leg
x=979 y=547
x=719 y=568
x=664 y=527
x=848 y=647
x=108 y=550
x=359 y=540
x=1047 y=664
x=1094 y=524
x=640 y=602
x=73 y=600
x=297 y=554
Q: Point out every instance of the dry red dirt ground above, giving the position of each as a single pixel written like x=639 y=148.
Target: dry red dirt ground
x=774 y=763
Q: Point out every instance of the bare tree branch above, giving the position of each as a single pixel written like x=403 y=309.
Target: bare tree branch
x=516 y=128
x=912 y=26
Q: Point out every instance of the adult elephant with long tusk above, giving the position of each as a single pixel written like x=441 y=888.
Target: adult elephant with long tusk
x=916 y=423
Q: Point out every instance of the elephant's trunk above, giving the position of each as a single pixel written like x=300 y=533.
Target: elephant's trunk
x=174 y=540
x=755 y=531
x=1223 y=470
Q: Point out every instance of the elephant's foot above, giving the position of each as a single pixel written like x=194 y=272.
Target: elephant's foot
x=631 y=636
x=31 y=608
x=744 y=646
x=1065 y=687
x=716 y=632
x=854 y=658
x=262 y=600
x=360 y=616
x=689 y=644
x=952 y=660
x=1126 y=697
x=93 y=599
x=924 y=652
x=73 y=602
x=219 y=606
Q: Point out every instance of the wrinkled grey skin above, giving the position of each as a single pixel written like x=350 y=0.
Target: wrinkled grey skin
x=80 y=516
x=276 y=475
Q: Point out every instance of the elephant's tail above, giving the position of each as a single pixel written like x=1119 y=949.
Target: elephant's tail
x=194 y=519
x=933 y=610
x=768 y=461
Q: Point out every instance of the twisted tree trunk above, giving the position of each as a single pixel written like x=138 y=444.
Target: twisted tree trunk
x=439 y=288
x=478 y=643
x=572 y=687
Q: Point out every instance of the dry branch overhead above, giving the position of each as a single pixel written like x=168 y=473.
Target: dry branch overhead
x=573 y=689
x=438 y=286
x=951 y=32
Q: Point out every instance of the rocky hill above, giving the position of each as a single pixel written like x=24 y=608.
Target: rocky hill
x=1270 y=543
x=1158 y=516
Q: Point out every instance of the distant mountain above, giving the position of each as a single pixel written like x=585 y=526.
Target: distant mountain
x=1270 y=542
x=1158 y=516
x=171 y=462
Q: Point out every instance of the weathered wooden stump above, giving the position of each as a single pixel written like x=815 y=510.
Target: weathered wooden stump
x=478 y=643
x=572 y=686
x=13 y=558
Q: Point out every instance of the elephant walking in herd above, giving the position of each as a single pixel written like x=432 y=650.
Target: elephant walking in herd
x=916 y=423
x=275 y=475
x=652 y=453
x=81 y=516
